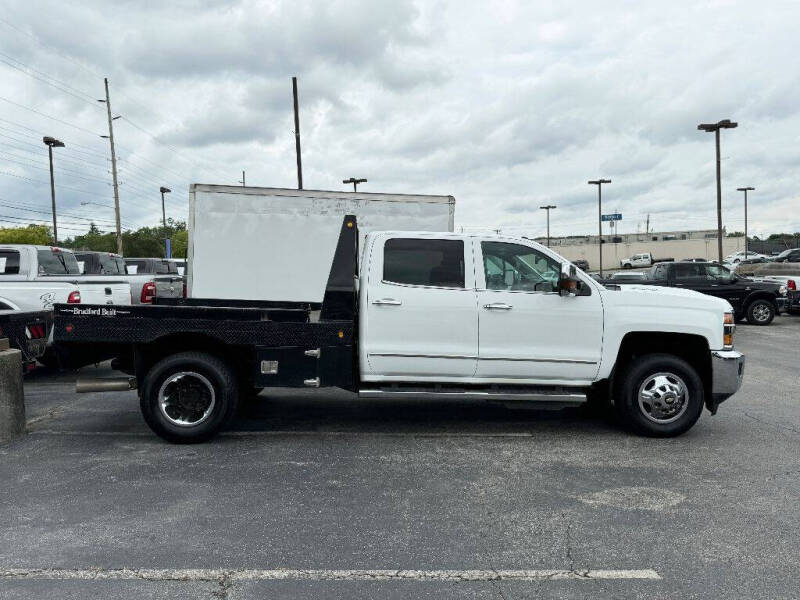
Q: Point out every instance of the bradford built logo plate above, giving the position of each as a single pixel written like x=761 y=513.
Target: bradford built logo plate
x=93 y=312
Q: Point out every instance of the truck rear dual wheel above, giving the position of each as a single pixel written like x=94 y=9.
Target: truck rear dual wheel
x=189 y=397
x=760 y=312
x=659 y=395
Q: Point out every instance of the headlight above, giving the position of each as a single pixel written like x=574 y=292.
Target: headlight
x=782 y=290
x=728 y=329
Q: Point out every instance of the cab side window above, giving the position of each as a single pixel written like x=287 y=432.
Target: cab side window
x=514 y=267
x=689 y=273
x=426 y=262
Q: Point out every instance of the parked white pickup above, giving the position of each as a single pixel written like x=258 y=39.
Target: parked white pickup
x=36 y=277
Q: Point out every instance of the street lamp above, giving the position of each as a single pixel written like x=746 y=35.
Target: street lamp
x=354 y=181
x=547 y=208
x=599 y=183
x=715 y=127
x=745 y=190
x=167 y=249
x=51 y=143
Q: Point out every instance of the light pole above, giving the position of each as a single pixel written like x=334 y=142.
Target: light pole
x=355 y=182
x=715 y=127
x=547 y=208
x=51 y=143
x=165 y=190
x=745 y=190
x=599 y=183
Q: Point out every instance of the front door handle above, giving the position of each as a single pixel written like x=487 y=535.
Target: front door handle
x=387 y=301
x=498 y=306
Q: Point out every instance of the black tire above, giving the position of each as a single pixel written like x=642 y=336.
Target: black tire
x=202 y=370
x=760 y=312
x=627 y=266
x=638 y=373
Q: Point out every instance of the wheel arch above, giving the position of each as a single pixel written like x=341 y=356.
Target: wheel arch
x=147 y=355
x=692 y=348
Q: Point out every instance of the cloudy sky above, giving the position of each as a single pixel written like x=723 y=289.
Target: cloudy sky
x=505 y=105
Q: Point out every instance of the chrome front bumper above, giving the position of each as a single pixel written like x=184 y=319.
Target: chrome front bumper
x=727 y=370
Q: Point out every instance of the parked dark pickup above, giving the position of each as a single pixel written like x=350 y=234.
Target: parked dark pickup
x=756 y=301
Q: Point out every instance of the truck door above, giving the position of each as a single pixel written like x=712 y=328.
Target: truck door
x=419 y=316
x=527 y=331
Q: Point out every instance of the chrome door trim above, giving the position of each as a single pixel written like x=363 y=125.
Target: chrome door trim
x=411 y=355
x=548 y=360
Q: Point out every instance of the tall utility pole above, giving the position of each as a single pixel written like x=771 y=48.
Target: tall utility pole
x=297 y=135
x=167 y=249
x=647 y=227
x=243 y=179
x=745 y=190
x=51 y=142
x=599 y=183
x=355 y=182
x=715 y=127
x=113 y=166
x=547 y=208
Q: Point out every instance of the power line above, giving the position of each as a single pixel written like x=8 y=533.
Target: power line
x=46 y=79
x=88 y=193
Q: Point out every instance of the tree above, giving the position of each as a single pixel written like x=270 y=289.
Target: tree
x=32 y=234
x=143 y=242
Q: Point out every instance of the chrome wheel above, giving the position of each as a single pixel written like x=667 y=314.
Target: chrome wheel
x=663 y=398
x=186 y=399
x=761 y=312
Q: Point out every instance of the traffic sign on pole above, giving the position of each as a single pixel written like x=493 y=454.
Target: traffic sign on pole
x=611 y=217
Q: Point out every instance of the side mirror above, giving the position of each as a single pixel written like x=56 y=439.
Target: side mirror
x=568 y=280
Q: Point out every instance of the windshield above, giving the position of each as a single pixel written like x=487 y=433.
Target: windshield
x=57 y=262
x=784 y=253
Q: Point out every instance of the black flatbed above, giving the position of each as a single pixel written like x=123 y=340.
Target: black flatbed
x=270 y=343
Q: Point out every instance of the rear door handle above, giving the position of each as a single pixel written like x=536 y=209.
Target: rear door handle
x=387 y=301
x=498 y=306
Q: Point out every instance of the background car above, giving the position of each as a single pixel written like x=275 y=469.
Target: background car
x=581 y=263
x=631 y=276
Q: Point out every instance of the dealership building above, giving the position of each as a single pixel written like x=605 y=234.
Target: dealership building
x=667 y=244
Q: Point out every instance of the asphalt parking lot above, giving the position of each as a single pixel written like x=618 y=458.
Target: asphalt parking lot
x=319 y=495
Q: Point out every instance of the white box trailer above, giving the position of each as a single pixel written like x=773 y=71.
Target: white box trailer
x=278 y=244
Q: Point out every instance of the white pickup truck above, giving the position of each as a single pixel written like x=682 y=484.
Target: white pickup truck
x=37 y=277
x=643 y=259
x=425 y=314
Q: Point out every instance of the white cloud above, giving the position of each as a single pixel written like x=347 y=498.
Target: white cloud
x=504 y=105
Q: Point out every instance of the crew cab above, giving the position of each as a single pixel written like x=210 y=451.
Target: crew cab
x=423 y=315
x=37 y=277
x=152 y=278
x=757 y=301
x=149 y=278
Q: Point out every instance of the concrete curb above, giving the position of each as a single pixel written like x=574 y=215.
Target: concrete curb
x=12 y=397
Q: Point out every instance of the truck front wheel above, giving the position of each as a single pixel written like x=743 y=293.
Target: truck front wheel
x=760 y=312
x=189 y=397
x=659 y=395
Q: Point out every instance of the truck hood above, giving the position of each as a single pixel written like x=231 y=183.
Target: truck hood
x=651 y=295
x=646 y=308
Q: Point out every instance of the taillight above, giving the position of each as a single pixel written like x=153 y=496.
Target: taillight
x=791 y=285
x=148 y=292
x=74 y=297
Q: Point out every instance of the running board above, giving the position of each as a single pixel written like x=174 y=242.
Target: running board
x=560 y=397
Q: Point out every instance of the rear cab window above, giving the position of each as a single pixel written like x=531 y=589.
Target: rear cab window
x=424 y=262
x=9 y=262
x=136 y=266
x=57 y=262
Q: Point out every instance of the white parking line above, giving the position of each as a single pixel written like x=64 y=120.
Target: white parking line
x=328 y=574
